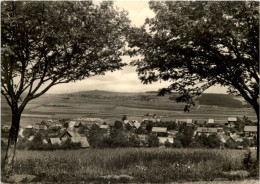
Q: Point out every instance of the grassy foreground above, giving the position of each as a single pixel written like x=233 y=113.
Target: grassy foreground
x=142 y=165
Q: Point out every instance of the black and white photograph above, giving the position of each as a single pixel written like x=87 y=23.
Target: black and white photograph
x=109 y=92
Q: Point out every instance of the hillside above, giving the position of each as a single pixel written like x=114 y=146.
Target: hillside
x=112 y=106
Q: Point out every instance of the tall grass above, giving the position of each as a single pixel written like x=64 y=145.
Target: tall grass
x=145 y=165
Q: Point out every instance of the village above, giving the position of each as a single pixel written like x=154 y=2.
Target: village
x=151 y=131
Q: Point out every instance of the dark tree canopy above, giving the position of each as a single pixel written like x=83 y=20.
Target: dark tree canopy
x=48 y=43
x=196 y=45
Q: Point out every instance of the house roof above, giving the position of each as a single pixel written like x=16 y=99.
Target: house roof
x=39 y=127
x=250 y=129
x=82 y=140
x=232 y=119
x=224 y=138
x=29 y=126
x=207 y=130
x=159 y=129
x=126 y=121
x=137 y=124
x=184 y=120
x=164 y=139
x=55 y=141
x=77 y=124
x=104 y=126
x=211 y=121
x=31 y=138
x=71 y=133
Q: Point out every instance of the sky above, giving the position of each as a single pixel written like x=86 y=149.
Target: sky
x=125 y=80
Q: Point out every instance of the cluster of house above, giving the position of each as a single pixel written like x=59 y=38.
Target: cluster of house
x=77 y=129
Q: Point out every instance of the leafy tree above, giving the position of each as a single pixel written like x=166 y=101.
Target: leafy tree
x=167 y=144
x=118 y=124
x=124 y=118
x=187 y=136
x=149 y=126
x=48 y=43
x=177 y=143
x=134 y=140
x=214 y=141
x=196 y=45
x=37 y=142
x=128 y=127
x=153 y=141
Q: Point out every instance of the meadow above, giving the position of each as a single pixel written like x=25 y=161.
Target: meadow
x=111 y=106
x=157 y=165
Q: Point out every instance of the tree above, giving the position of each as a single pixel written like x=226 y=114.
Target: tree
x=118 y=124
x=124 y=118
x=153 y=141
x=196 y=45
x=48 y=43
x=214 y=141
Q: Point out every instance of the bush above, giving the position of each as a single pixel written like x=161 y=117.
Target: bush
x=250 y=164
x=153 y=141
x=167 y=144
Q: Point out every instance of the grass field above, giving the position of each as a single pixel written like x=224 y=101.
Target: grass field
x=112 y=106
x=158 y=165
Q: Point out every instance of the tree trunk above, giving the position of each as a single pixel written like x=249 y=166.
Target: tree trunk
x=11 y=147
x=256 y=108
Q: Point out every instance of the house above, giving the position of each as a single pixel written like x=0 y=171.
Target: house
x=187 y=122
x=172 y=133
x=5 y=128
x=68 y=134
x=250 y=131
x=111 y=124
x=136 y=124
x=163 y=140
x=71 y=124
x=160 y=131
x=224 y=138
x=29 y=127
x=106 y=128
x=90 y=121
x=231 y=122
x=40 y=127
x=211 y=121
x=55 y=141
x=125 y=121
x=220 y=130
x=78 y=125
x=82 y=140
x=205 y=130
x=150 y=115
x=31 y=138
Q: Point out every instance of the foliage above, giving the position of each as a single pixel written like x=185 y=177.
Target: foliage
x=251 y=164
x=153 y=141
x=211 y=141
x=145 y=165
x=44 y=44
x=196 y=45
x=167 y=144
x=185 y=135
x=118 y=124
x=51 y=43
x=124 y=118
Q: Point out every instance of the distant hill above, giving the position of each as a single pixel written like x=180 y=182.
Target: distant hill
x=222 y=100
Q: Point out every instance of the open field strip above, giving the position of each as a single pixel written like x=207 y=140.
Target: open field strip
x=141 y=165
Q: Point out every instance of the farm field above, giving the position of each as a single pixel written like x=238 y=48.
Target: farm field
x=157 y=165
x=111 y=106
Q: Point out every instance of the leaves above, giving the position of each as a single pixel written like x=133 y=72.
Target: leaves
x=48 y=43
x=196 y=45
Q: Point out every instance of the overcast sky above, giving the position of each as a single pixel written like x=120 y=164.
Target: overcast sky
x=125 y=80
